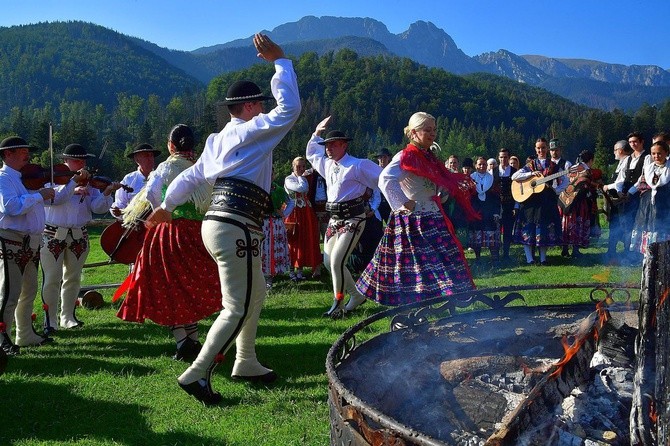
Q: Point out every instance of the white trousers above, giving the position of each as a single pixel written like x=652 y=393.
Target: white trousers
x=62 y=263
x=344 y=235
x=235 y=243
x=19 y=258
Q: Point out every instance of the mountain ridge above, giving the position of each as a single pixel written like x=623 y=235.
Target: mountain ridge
x=425 y=43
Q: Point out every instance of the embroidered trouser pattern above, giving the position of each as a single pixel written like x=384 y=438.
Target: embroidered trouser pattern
x=19 y=258
x=62 y=263
x=341 y=239
x=234 y=243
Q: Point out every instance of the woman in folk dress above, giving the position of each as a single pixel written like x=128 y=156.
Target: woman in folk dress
x=419 y=256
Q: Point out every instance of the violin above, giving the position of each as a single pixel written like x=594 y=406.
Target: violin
x=99 y=182
x=35 y=177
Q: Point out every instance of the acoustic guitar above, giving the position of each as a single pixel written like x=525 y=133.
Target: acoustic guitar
x=524 y=189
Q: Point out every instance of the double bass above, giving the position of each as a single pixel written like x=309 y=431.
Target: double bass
x=122 y=244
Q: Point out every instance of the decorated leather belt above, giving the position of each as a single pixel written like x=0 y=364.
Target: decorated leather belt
x=346 y=209
x=240 y=197
x=61 y=233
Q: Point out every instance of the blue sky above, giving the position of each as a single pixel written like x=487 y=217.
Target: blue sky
x=614 y=31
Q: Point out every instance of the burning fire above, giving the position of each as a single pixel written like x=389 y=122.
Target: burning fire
x=571 y=349
x=660 y=303
x=653 y=415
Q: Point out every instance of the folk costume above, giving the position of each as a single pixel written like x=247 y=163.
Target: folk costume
x=274 y=249
x=135 y=180
x=175 y=282
x=507 y=204
x=538 y=221
x=66 y=247
x=302 y=226
x=576 y=202
x=652 y=222
x=372 y=233
x=346 y=180
x=629 y=176
x=485 y=233
x=318 y=196
x=21 y=225
x=419 y=256
x=238 y=163
x=617 y=208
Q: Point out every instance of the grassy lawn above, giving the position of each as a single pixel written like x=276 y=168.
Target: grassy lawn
x=114 y=383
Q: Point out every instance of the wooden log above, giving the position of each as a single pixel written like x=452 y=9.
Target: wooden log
x=663 y=343
x=539 y=406
x=651 y=344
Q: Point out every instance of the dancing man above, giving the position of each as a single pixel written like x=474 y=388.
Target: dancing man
x=347 y=179
x=238 y=162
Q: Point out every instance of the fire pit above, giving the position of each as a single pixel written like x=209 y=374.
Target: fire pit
x=472 y=370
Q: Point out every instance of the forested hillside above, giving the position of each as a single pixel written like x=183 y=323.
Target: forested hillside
x=78 y=61
x=370 y=98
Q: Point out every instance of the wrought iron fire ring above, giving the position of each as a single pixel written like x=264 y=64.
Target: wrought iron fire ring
x=418 y=313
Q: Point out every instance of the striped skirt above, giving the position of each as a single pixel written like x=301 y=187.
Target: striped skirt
x=418 y=258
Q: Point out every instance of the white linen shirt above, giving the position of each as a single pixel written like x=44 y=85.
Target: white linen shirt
x=243 y=149
x=621 y=177
x=74 y=212
x=294 y=183
x=347 y=178
x=400 y=186
x=134 y=179
x=20 y=210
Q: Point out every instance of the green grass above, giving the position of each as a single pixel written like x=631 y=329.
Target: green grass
x=114 y=383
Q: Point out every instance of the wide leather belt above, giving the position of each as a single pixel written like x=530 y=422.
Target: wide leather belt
x=240 y=197
x=346 y=209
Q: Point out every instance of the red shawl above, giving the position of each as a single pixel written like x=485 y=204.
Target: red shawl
x=425 y=164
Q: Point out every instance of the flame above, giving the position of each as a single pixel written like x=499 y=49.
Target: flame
x=661 y=301
x=664 y=296
x=570 y=351
x=653 y=415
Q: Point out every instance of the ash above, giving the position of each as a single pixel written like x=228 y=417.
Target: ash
x=596 y=413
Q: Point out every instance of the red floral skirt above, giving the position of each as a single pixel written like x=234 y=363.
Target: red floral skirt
x=175 y=280
x=302 y=231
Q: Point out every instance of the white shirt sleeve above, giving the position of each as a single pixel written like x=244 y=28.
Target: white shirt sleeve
x=389 y=183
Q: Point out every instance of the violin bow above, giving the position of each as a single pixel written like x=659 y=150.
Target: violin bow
x=51 y=156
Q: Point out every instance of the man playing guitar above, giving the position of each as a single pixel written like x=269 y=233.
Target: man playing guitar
x=538 y=223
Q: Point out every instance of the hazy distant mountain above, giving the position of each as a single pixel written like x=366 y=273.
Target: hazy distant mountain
x=71 y=60
x=423 y=42
x=647 y=75
x=505 y=63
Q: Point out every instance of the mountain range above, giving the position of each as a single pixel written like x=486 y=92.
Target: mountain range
x=63 y=60
x=592 y=83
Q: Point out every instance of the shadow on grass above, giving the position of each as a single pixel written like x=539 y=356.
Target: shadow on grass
x=52 y=362
x=58 y=415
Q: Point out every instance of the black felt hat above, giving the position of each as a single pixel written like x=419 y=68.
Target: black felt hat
x=467 y=162
x=244 y=91
x=144 y=147
x=76 y=151
x=384 y=152
x=14 y=142
x=335 y=135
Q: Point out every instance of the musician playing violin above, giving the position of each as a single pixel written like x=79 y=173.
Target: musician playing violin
x=66 y=243
x=144 y=156
x=538 y=221
x=21 y=225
